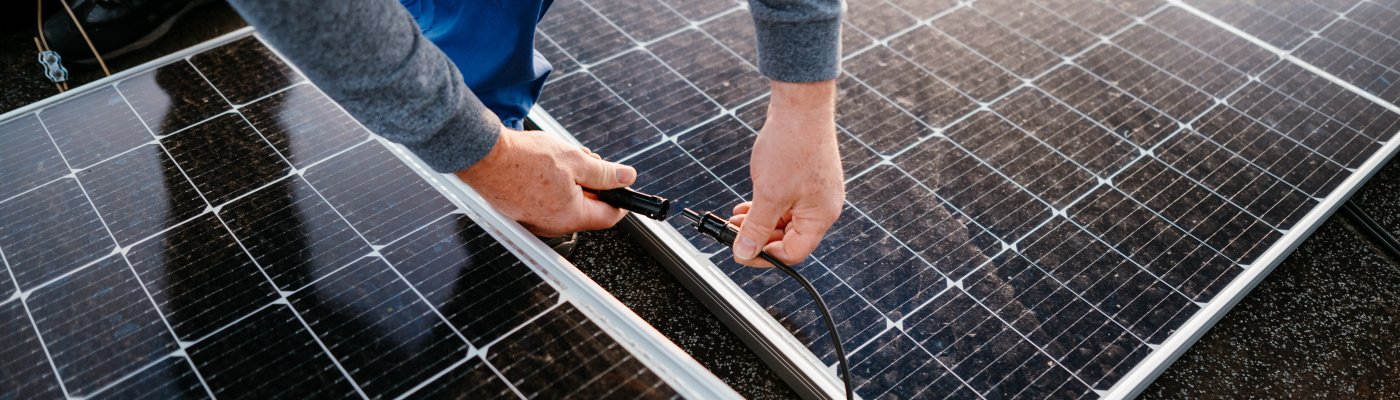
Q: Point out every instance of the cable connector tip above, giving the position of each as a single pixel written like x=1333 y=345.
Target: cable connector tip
x=692 y=215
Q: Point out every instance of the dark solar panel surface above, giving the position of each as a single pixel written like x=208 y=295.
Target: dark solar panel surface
x=1039 y=192
x=215 y=227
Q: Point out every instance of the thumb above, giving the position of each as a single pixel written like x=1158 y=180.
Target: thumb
x=799 y=241
x=758 y=226
x=593 y=173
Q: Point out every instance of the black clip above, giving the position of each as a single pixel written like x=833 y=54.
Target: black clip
x=651 y=206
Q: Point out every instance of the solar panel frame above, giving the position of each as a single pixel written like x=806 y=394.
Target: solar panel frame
x=699 y=271
x=584 y=298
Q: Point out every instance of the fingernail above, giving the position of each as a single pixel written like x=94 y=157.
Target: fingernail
x=745 y=249
x=625 y=175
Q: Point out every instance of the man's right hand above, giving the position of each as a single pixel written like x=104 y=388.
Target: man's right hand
x=537 y=179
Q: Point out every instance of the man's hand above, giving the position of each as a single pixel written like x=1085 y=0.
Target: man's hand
x=797 y=181
x=535 y=178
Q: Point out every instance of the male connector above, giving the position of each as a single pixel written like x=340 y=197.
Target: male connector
x=713 y=226
x=652 y=206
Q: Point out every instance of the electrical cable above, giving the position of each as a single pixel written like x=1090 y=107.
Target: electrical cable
x=720 y=230
x=83 y=32
x=1371 y=228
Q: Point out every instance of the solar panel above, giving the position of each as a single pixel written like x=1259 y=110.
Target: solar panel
x=1045 y=198
x=212 y=225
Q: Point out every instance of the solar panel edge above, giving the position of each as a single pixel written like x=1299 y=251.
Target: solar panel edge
x=647 y=345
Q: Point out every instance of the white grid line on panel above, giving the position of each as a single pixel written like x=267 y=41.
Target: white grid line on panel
x=1286 y=55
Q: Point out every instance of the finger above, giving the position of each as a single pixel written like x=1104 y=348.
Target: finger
x=590 y=153
x=759 y=224
x=798 y=241
x=743 y=208
x=592 y=215
x=598 y=174
x=738 y=220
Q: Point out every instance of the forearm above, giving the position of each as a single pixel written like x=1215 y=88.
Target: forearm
x=805 y=101
x=798 y=40
x=370 y=56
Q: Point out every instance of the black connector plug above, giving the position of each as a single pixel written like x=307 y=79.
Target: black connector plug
x=712 y=225
x=652 y=206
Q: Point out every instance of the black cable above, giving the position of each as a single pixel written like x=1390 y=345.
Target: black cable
x=826 y=317
x=1370 y=227
x=718 y=229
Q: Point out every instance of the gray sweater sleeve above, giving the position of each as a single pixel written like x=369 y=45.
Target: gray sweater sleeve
x=370 y=56
x=798 y=40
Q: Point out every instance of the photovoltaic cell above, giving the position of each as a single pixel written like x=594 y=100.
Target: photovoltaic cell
x=199 y=277
x=293 y=234
x=384 y=334
x=1030 y=163
x=1057 y=186
x=986 y=353
x=722 y=76
x=877 y=18
x=50 y=231
x=733 y=29
x=171 y=98
x=28 y=158
x=269 y=354
x=140 y=192
x=172 y=377
x=642 y=21
x=875 y=121
x=941 y=236
x=245 y=70
x=942 y=56
x=582 y=32
x=471 y=380
x=985 y=35
x=858 y=320
x=225 y=158
x=673 y=103
x=356 y=183
x=92 y=127
x=28 y=373
x=696 y=10
x=98 y=325
x=581 y=364
x=609 y=125
x=476 y=283
x=304 y=125
x=1285 y=26
x=932 y=101
x=250 y=239
x=894 y=366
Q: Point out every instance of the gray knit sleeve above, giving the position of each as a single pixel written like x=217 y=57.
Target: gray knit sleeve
x=370 y=56
x=798 y=40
